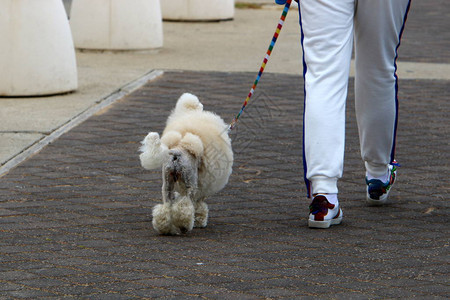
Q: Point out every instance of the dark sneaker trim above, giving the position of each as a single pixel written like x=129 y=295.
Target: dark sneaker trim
x=319 y=207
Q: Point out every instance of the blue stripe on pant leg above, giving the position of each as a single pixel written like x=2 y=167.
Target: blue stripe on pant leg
x=305 y=166
x=396 y=82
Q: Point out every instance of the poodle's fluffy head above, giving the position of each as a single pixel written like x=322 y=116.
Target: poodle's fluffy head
x=182 y=163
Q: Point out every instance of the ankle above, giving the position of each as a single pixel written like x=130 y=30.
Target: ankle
x=382 y=178
x=331 y=198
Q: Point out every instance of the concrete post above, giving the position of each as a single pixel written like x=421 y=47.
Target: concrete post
x=37 y=55
x=116 y=24
x=197 y=10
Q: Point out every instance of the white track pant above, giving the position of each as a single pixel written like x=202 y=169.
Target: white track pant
x=328 y=30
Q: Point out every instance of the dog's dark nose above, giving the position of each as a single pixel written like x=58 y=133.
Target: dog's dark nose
x=176 y=155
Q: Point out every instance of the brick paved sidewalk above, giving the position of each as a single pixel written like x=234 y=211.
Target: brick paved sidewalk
x=75 y=219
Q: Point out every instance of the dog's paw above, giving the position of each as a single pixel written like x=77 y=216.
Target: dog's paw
x=183 y=214
x=162 y=220
x=201 y=215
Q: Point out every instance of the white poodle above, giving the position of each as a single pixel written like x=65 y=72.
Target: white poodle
x=195 y=154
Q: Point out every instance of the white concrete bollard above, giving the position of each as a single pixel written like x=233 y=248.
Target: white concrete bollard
x=37 y=55
x=197 y=10
x=116 y=24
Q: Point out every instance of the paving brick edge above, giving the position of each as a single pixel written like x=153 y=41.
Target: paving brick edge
x=78 y=119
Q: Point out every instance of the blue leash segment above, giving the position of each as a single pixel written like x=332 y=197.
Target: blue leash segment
x=265 y=60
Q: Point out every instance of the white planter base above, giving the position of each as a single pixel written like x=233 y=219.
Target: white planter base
x=197 y=10
x=37 y=55
x=116 y=24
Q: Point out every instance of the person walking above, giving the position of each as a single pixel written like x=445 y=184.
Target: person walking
x=329 y=28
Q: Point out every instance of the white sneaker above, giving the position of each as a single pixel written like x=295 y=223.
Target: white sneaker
x=378 y=191
x=323 y=214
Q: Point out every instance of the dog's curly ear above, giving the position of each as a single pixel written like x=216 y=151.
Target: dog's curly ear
x=171 y=138
x=153 y=151
x=193 y=144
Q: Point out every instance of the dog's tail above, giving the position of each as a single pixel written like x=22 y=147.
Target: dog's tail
x=188 y=102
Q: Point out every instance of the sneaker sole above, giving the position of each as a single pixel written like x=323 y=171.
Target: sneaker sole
x=326 y=223
x=377 y=202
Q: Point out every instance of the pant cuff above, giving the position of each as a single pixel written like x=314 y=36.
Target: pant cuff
x=322 y=184
x=377 y=170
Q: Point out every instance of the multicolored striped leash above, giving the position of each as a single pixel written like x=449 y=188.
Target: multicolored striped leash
x=266 y=58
